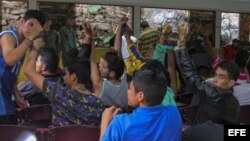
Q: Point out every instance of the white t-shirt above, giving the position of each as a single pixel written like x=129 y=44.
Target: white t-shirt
x=242 y=93
x=124 y=49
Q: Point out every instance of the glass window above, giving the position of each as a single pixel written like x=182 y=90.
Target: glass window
x=157 y=18
x=204 y=21
x=229 y=27
x=105 y=17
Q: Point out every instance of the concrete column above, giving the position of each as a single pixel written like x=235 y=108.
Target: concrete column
x=137 y=20
x=217 y=29
x=32 y=4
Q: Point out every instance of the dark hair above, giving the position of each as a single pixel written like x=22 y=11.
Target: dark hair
x=152 y=84
x=144 y=24
x=82 y=71
x=36 y=14
x=70 y=57
x=204 y=71
x=115 y=63
x=235 y=41
x=232 y=69
x=125 y=29
x=157 y=67
x=241 y=58
x=50 y=58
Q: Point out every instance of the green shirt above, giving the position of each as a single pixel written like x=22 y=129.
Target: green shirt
x=169 y=98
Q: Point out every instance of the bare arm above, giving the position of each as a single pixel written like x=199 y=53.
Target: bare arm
x=172 y=70
x=11 y=54
x=95 y=76
x=118 y=37
x=30 y=68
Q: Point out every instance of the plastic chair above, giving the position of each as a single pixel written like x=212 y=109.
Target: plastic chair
x=74 y=133
x=37 y=116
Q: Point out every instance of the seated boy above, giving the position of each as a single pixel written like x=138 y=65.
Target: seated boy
x=150 y=120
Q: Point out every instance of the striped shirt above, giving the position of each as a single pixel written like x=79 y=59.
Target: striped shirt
x=147 y=41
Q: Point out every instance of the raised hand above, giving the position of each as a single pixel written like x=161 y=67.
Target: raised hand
x=123 y=20
x=38 y=43
x=87 y=28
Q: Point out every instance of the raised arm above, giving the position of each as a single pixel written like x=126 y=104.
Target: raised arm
x=30 y=68
x=187 y=69
x=95 y=76
x=118 y=37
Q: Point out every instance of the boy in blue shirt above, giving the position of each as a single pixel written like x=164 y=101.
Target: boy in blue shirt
x=150 y=120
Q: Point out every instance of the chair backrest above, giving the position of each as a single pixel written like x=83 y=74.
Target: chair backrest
x=245 y=114
x=17 y=133
x=37 y=116
x=74 y=133
x=39 y=112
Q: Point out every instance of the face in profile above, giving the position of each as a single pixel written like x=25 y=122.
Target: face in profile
x=103 y=68
x=39 y=65
x=132 y=95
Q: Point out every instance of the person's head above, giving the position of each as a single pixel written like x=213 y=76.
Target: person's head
x=241 y=58
x=48 y=24
x=47 y=61
x=236 y=42
x=226 y=75
x=147 y=88
x=157 y=67
x=70 y=20
x=126 y=30
x=111 y=66
x=30 y=18
x=144 y=24
x=77 y=73
x=204 y=71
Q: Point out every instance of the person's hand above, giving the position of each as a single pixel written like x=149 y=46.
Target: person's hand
x=38 y=43
x=94 y=31
x=172 y=39
x=87 y=28
x=21 y=102
x=167 y=29
x=123 y=20
x=108 y=114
